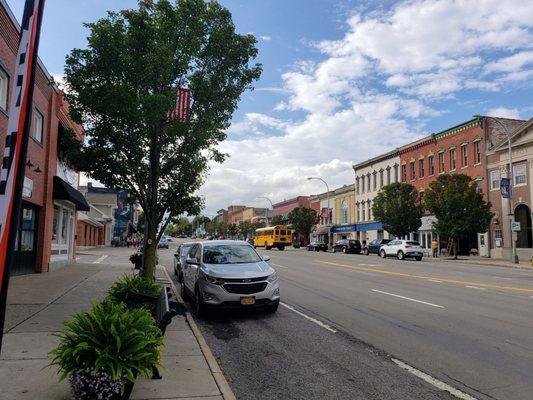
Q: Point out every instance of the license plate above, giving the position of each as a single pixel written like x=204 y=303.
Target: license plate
x=247 y=301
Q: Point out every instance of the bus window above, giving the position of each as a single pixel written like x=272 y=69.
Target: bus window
x=276 y=232
x=282 y=232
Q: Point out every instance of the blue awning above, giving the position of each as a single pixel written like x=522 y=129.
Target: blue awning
x=369 y=226
x=343 y=228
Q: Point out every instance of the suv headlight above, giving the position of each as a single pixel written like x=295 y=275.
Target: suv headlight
x=272 y=278
x=213 y=280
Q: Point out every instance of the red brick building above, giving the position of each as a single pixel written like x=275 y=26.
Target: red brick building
x=50 y=196
x=286 y=206
x=461 y=149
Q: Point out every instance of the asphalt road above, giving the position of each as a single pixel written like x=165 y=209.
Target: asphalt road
x=468 y=326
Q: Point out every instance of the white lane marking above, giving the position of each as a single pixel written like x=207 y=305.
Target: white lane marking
x=475 y=287
x=434 y=280
x=408 y=298
x=369 y=265
x=316 y=321
x=433 y=381
x=280 y=266
x=100 y=259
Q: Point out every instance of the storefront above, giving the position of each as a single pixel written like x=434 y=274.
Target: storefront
x=369 y=231
x=343 y=232
x=26 y=243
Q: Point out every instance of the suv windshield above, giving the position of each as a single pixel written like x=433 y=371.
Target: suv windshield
x=230 y=254
x=184 y=250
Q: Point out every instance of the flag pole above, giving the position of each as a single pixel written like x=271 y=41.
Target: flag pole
x=16 y=147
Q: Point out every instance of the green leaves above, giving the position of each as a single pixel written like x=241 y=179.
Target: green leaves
x=126 y=287
x=109 y=338
x=398 y=208
x=302 y=220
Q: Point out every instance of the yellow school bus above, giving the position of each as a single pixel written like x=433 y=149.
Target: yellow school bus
x=273 y=236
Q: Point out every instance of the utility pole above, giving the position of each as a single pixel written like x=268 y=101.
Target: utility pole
x=329 y=209
x=271 y=205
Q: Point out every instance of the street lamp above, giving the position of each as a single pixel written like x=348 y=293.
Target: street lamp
x=271 y=205
x=514 y=257
x=329 y=216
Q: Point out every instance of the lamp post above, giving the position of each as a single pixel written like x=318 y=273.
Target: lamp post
x=271 y=205
x=329 y=216
x=514 y=257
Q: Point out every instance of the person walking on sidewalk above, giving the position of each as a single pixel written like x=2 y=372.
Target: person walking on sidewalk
x=435 y=248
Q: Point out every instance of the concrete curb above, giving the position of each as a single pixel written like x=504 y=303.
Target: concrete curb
x=218 y=375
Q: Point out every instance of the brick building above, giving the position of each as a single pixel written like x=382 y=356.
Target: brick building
x=286 y=206
x=460 y=149
x=50 y=197
x=235 y=214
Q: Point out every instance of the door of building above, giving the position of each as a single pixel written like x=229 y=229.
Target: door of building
x=483 y=244
x=26 y=244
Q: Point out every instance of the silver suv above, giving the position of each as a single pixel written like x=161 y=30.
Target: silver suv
x=229 y=274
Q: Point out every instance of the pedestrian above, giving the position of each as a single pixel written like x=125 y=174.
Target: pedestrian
x=435 y=248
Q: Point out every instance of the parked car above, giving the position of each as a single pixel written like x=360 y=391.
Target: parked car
x=347 y=246
x=180 y=256
x=163 y=243
x=374 y=246
x=402 y=249
x=317 y=246
x=229 y=274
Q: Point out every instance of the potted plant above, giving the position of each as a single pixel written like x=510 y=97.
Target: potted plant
x=103 y=350
x=136 y=292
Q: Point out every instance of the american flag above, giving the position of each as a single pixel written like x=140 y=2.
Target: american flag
x=183 y=105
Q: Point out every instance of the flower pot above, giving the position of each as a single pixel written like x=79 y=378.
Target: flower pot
x=87 y=385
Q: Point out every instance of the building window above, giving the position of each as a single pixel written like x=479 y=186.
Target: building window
x=441 y=162
x=479 y=185
x=362 y=184
x=375 y=180
x=357 y=185
x=421 y=197
x=452 y=159
x=363 y=206
x=477 y=152
x=404 y=172
x=497 y=233
x=495 y=180
x=412 y=171
x=519 y=174
x=344 y=212
x=388 y=175
x=431 y=165
x=369 y=210
x=37 y=126
x=368 y=182
x=4 y=84
x=421 y=168
x=396 y=173
x=464 y=155
x=357 y=206
x=381 y=178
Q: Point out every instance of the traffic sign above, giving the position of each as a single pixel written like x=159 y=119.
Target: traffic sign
x=515 y=226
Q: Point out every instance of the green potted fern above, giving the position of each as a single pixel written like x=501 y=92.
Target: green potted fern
x=103 y=350
x=136 y=292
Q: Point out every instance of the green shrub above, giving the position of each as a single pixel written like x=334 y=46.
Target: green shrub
x=109 y=338
x=126 y=287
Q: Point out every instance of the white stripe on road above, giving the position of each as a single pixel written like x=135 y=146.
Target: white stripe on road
x=434 y=280
x=475 y=287
x=433 y=381
x=408 y=298
x=316 y=321
x=281 y=266
x=100 y=259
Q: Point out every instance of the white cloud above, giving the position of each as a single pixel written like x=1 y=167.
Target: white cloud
x=504 y=112
x=265 y=37
x=372 y=91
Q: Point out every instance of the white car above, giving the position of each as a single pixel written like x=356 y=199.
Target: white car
x=402 y=249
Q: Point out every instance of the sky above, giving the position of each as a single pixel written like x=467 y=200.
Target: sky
x=344 y=81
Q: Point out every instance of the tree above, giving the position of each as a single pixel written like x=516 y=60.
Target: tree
x=302 y=220
x=279 y=220
x=458 y=207
x=245 y=229
x=232 y=229
x=397 y=206
x=123 y=86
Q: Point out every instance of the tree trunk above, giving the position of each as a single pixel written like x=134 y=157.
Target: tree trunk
x=150 y=250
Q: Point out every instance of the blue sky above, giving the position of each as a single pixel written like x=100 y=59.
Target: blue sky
x=345 y=80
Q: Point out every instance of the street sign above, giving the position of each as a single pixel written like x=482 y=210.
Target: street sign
x=505 y=188
x=515 y=226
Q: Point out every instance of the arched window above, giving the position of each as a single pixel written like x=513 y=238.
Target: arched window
x=344 y=207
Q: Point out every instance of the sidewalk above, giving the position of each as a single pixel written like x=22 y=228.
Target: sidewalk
x=38 y=303
x=476 y=260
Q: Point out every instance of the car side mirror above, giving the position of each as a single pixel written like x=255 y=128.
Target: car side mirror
x=266 y=258
x=192 y=261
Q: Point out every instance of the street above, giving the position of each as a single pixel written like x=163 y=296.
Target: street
x=346 y=316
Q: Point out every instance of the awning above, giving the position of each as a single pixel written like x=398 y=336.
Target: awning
x=88 y=219
x=63 y=191
x=323 y=230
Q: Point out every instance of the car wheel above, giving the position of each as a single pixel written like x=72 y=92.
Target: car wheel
x=272 y=308
x=281 y=248
x=344 y=250
x=418 y=258
x=334 y=250
x=366 y=252
x=199 y=307
x=400 y=255
x=383 y=254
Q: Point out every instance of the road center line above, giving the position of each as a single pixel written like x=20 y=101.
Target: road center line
x=100 y=259
x=316 y=321
x=434 y=280
x=426 y=277
x=433 y=381
x=280 y=266
x=475 y=287
x=408 y=298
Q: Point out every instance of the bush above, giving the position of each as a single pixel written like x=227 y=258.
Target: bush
x=109 y=338
x=127 y=289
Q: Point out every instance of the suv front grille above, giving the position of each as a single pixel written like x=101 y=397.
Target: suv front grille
x=245 y=280
x=245 y=288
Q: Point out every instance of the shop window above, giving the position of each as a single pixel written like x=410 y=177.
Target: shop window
x=441 y=162
x=37 y=126
x=4 y=85
x=477 y=152
x=431 y=165
x=55 y=226
x=495 y=180
x=452 y=160
x=421 y=171
x=519 y=175
x=412 y=171
x=464 y=155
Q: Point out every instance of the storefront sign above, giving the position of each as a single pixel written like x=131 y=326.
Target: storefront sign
x=67 y=174
x=370 y=226
x=27 y=188
x=343 y=228
x=515 y=226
